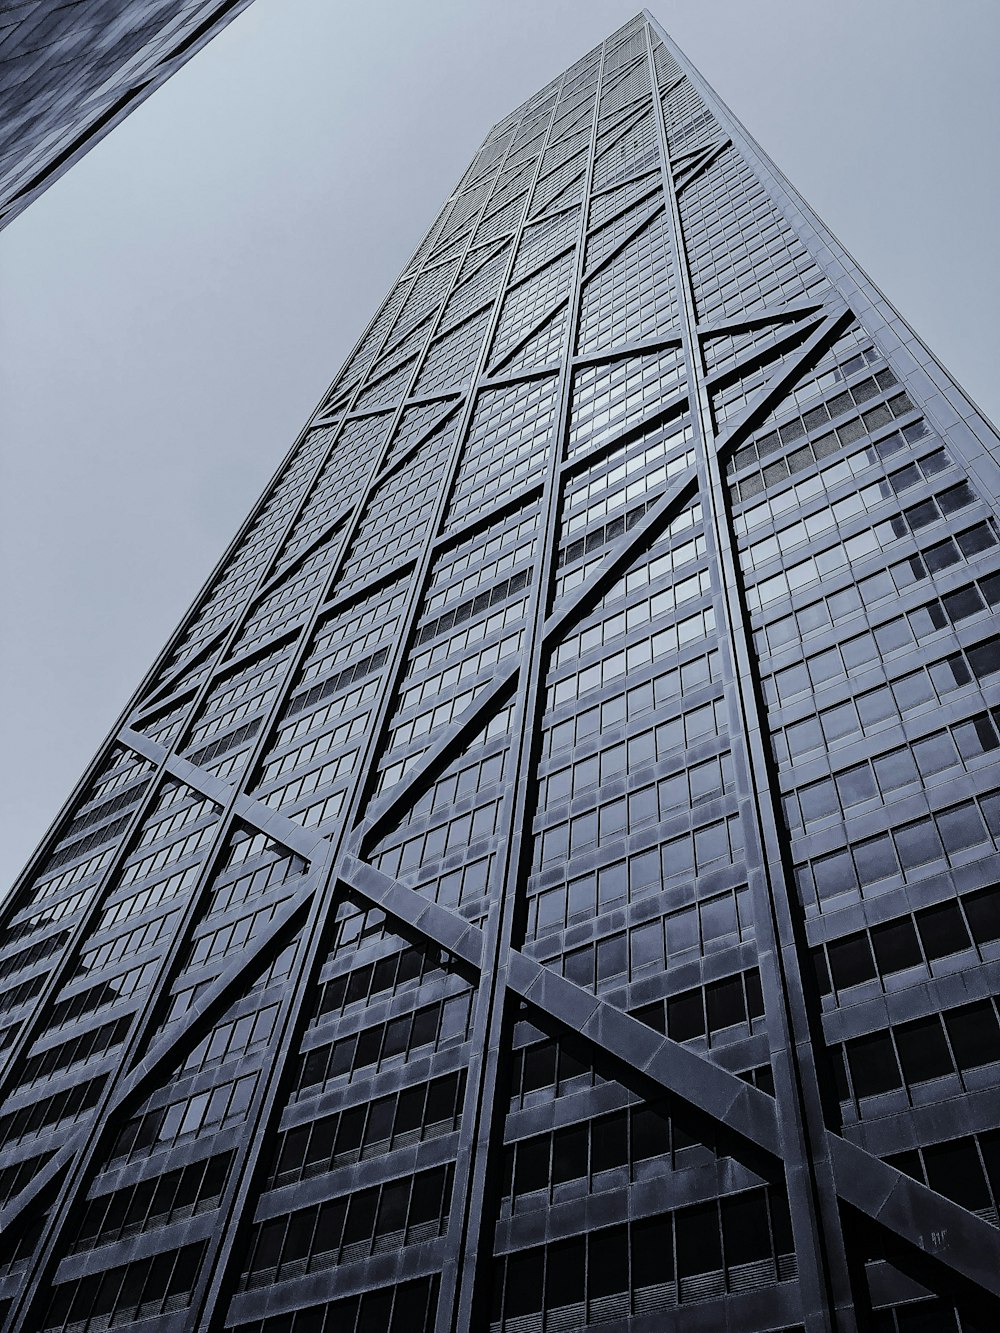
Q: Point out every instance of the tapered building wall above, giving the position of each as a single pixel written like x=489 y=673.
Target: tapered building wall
x=548 y=880
x=70 y=72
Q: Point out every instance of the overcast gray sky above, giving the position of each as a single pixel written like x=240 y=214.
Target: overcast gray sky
x=174 y=306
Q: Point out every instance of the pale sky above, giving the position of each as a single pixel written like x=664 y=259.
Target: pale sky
x=172 y=309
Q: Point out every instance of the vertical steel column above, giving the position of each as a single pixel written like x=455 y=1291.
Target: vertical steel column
x=823 y=1275
x=483 y=1117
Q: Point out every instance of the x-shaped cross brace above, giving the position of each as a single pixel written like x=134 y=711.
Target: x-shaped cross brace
x=955 y=1237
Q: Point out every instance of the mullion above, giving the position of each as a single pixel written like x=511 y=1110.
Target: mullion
x=491 y=1023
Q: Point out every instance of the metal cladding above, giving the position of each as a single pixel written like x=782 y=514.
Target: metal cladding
x=549 y=879
x=70 y=72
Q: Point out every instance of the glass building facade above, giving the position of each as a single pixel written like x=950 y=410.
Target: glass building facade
x=70 y=72
x=549 y=879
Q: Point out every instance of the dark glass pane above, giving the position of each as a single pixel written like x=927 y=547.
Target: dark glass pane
x=427 y=1199
x=369 y=1042
x=726 y=1004
x=983 y=912
x=923 y=1051
x=269 y=1243
x=927 y=620
x=975 y=1034
x=837 y=723
x=612 y=886
x=646 y=945
x=699 y=1245
x=942 y=556
x=609 y=1145
x=298 y=1236
x=409 y=1111
x=653 y=1015
x=984 y=660
x=650 y=1133
x=875 y=707
x=956 y=498
x=954 y=1170
x=569 y=1154
x=105 y=1294
x=315 y=1063
x=781 y=1222
x=745 y=1231
x=977 y=539
x=380 y=1117
x=896 y=946
x=755 y=995
x=942 y=930
x=376 y=1311
x=565 y=1273
x=951 y=674
x=652 y=1251
x=523 y=1288
x=963 y=604
x=926 y=1317
x=989 y=1146
x=934 y=754
x=330 y=1220
x=571 y=1064
x=851 y=961
x=685 y=1016
x=873 y=1065
x=425 y=1027
x=607 y=1262
x=361 y=1216
x=825 y=666
x=823 y=981
x=441 y=1099
x=532 y=1169
x=837 y=1057
x=392 y=1207
x=293 y=1150
x=185 y=1270
x=358 y=984
x=718 y=918
x=803 y=737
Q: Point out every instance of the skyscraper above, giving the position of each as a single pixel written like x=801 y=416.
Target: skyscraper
x=70 y=72
x=548 y=880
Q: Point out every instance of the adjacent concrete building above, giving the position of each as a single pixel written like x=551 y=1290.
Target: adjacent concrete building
x=71 y=71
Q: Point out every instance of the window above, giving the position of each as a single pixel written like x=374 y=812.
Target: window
x=923 y=1051
x=873 y=1065
x=393 y=1214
